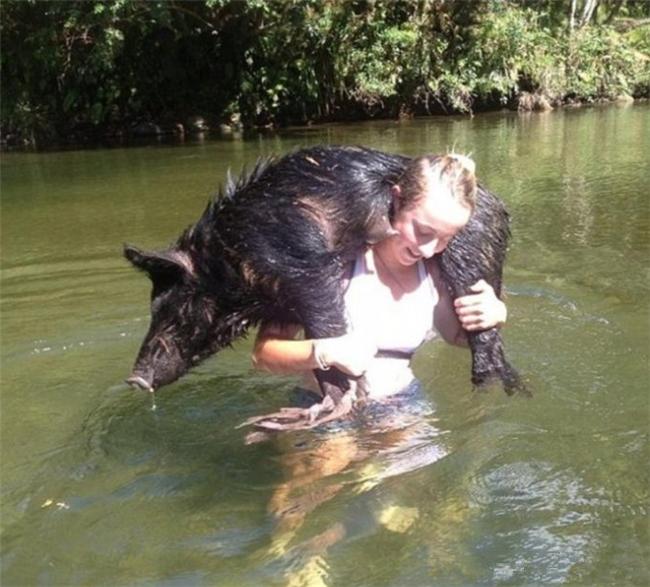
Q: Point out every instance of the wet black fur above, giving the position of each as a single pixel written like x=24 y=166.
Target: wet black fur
x=274 y=247
x=478 y=252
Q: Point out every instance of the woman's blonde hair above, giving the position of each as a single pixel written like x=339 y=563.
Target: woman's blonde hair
x=454 y=171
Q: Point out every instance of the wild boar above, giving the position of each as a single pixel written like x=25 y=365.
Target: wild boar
x=274 y=245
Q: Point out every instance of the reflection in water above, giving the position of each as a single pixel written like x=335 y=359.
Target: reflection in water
x=382 y=440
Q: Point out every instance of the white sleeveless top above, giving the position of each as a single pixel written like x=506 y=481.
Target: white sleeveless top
x=395 y=325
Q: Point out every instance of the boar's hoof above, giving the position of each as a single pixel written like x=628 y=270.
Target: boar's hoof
x=303 y=418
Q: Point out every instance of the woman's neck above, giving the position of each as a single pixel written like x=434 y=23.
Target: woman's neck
x=398 y=277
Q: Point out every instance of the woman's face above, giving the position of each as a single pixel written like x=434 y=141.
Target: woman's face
x=427 y=228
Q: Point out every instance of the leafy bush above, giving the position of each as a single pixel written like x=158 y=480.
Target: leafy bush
x=601 y=63
x=79 y=67
x=510 y=52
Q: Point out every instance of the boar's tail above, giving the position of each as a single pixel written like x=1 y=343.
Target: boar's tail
x=489 y=363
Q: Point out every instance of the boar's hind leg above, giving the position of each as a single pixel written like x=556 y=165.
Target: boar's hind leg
x=478 y=252
x=489 y=362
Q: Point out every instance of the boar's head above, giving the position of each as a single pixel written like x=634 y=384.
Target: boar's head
x=182 y=314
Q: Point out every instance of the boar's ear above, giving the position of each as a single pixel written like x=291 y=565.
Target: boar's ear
x=157 y=265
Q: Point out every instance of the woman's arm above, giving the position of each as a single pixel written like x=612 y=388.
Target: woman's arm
x=445 y=320
x=278 y=351
x=479 y=310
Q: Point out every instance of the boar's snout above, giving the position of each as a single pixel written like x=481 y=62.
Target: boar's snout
x=140 y=382
x=159 y=363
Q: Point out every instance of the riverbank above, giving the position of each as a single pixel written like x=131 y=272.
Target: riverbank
x=77 y=72
x=200 y=129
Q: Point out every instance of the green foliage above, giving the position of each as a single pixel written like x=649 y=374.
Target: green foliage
x=81 y=67
x=601 y=63
x=639 y=42
x=511 y=52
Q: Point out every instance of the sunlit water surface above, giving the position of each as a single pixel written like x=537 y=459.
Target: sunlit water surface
x=99 y=489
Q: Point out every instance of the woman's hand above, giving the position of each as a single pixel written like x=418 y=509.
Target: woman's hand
x=481 y=309
x=351 y=353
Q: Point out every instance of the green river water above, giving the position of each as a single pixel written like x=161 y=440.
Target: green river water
x=99 y=489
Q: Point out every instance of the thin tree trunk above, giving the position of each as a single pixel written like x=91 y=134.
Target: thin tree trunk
x=572 y=20
x=588 y=11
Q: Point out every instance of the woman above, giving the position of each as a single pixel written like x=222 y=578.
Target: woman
x=395 y=296
x=395 y=300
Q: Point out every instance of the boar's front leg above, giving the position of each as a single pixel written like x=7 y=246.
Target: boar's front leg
x=320 y=308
